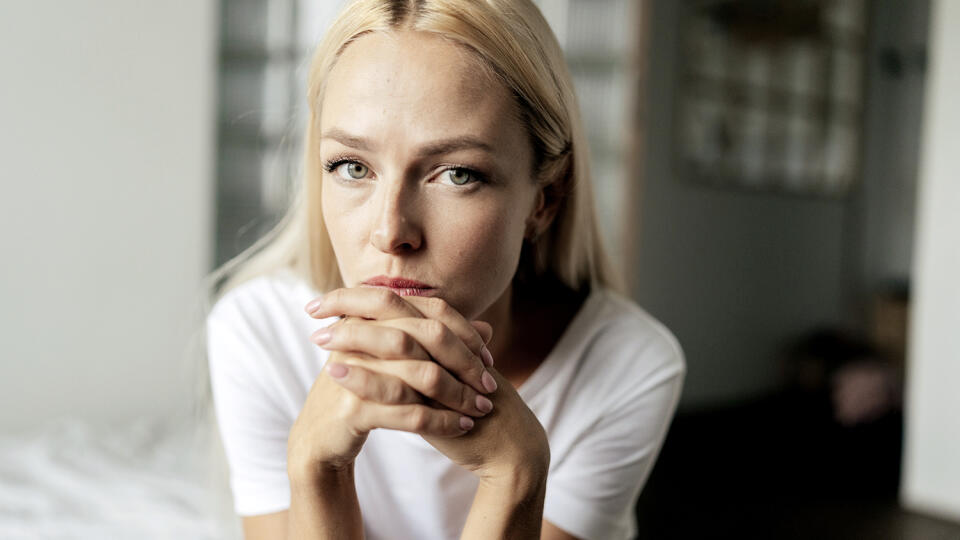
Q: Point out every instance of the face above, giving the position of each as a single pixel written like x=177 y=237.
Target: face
x=427 y=171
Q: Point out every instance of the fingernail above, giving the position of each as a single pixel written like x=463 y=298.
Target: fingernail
x=488 y=382
x=487 y=357
x=321 y=336
x=484 y=404
x=313 y=305
x=466 y=423
x=337 y=371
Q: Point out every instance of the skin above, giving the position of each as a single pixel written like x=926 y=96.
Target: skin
x=393 y=207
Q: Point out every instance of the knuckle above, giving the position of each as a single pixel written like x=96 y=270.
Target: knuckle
x=346 y=332
x=435 y=330
x=437 y=306
x=475 y=342
x=394 y=393
x=334 y=297
x=350 y=405
x=401 y=342
x=431 y=376
x=420 y=419
x=451 y=424
x=467 y=400
x=477 y=366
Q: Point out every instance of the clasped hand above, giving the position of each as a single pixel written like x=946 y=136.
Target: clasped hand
x=413 y=364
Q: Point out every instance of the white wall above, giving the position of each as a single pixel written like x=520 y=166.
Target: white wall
x=931 y=480
x=106 y=140
x=883 y=207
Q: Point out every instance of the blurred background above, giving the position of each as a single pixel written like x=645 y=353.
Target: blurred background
x=775 y=179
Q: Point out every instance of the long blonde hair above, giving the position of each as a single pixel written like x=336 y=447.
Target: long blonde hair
x=516 y=43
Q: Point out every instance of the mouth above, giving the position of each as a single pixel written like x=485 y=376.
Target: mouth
x=400 y=286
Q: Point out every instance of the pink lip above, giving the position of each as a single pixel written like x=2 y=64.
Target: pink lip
x=401 y=286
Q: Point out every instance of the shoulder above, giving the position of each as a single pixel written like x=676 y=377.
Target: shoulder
x=257 y=338
x=626 y=343
x=265 y=312
x=623 y=320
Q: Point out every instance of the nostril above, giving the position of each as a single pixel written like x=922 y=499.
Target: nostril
x=396 y=241
x=397 y=229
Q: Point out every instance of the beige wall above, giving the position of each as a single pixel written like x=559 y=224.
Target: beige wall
x=106 y=142
x=931 y=481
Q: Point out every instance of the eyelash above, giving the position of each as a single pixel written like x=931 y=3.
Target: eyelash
x=479 y=178
x=331 y=164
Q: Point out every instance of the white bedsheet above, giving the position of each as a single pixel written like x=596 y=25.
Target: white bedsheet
x=148 y=480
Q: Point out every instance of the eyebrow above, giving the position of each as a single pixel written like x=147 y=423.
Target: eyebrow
x=434 y=148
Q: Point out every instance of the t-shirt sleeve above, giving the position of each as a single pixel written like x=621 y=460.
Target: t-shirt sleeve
x=592 y=494
x=253 y=425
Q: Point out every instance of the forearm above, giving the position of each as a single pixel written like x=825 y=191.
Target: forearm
x=507 y=507
x=323 y=504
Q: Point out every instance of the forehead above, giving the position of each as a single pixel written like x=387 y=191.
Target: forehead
x=419 y=86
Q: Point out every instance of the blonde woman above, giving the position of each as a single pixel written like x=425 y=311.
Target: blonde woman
x=430 y=345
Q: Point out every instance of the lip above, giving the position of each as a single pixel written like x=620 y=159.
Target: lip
x=401 y=286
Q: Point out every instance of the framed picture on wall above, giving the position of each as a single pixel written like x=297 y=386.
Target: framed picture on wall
x=771 y=94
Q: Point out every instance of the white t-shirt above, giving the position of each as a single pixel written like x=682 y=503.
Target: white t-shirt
x=605 y=396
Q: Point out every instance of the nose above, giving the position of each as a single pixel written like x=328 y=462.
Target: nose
x=397 y=229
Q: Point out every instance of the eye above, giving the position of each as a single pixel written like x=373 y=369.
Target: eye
x=352 y=169
x=461 y=176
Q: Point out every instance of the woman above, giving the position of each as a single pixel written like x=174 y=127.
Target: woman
x=446 y=252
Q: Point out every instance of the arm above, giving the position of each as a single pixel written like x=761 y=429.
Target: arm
x=508 y=518
x=323 y=504
x=507 y=507
x=326 y=507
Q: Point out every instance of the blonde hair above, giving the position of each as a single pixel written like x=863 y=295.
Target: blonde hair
x=514 y=40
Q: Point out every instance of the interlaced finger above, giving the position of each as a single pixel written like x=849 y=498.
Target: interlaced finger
x=415 y=418
x=371 y=385
x=430 y=381
x=439 y=309
x=378 y=340
x=446 y=349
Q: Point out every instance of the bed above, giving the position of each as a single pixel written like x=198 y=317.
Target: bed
x=143 y=480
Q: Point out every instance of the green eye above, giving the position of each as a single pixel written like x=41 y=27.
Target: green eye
x=459 y=177
x=355 y=170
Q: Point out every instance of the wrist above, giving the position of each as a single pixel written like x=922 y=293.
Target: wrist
x=520 y=480
x=306 y=459
x=508 y=504
x=314 y=476
x=303 y=469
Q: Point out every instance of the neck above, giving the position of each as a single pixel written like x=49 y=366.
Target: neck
x=527 y=324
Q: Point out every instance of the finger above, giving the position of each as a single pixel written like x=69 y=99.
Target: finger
x=415 y=418
x=371 y=385
x=486 y=333
x=427 y=379
x=439 y=309
x=364 y=302
x=447 y=349
x=484 y=329
x=375 y=340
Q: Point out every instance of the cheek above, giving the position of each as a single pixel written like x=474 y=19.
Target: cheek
x=481 y=244
x=337 y=220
